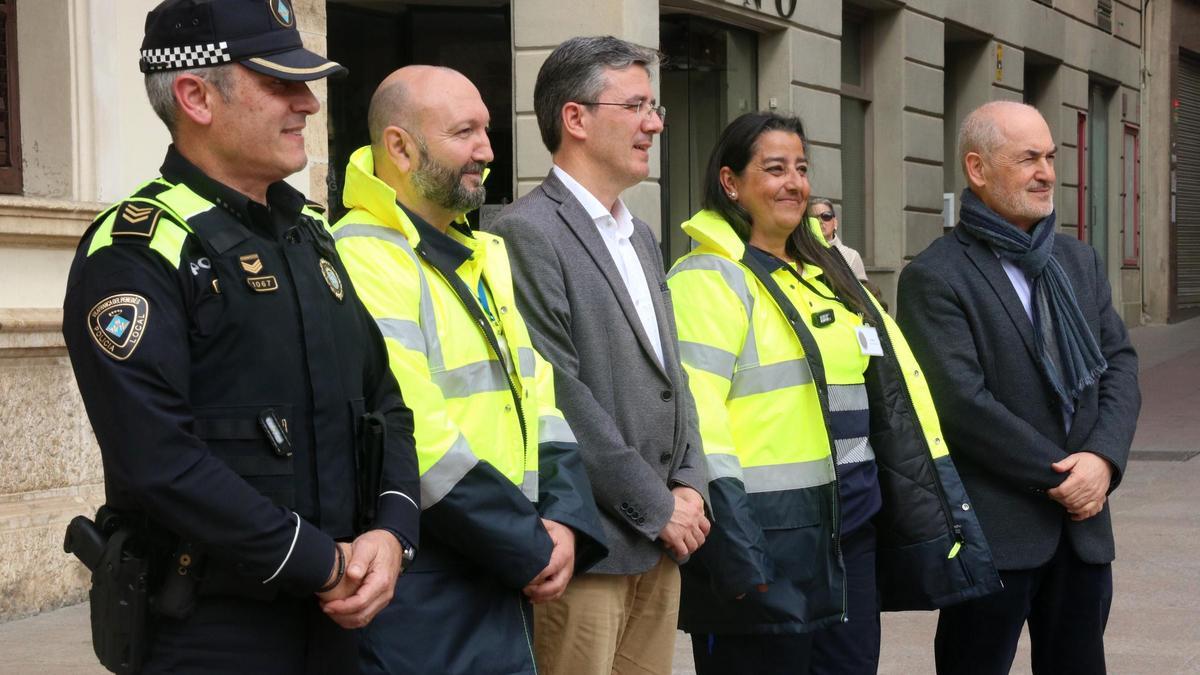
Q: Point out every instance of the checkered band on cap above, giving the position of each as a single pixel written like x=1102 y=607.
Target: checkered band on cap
x=195 y=56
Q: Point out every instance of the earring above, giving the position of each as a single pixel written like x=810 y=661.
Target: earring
x=732 y=195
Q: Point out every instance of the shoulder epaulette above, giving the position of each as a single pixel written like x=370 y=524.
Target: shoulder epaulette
x=315 y=206
x=137 y=218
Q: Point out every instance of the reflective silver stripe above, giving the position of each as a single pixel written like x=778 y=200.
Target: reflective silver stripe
x=851 y=450
x=795 y=476
x=846 y=397
x=554 y=430
x=473 y=378
x=529 y=486
x=441 y=478
x=427 y=319
x=762 y=379
x=406 y=332
x=707 y=358
x=398 y=494
x=735 y=278
x=723 y=466
x=286 y=558
x=525 y=361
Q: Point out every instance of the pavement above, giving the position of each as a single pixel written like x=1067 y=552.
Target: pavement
x=1154 y=627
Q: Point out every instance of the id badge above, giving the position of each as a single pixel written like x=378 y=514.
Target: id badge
x=868 y=341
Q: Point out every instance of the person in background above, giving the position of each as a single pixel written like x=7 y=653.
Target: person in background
x=826 y=463
x=822 y=209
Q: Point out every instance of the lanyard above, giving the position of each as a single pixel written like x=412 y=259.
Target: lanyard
x=481 y=291
x=800 y=277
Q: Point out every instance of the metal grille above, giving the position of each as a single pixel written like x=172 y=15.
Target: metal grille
x=10 y=129
x=1187 y=191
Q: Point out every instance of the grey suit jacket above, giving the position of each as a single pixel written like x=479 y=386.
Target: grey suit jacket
x=634 y=419
x=1003 y=423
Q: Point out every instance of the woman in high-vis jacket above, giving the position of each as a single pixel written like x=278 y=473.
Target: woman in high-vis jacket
x=832 y=490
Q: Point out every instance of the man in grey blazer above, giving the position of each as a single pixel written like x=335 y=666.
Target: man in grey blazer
x=589 y=280
x=1035 y=383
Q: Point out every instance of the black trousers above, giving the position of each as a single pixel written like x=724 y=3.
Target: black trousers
x=237 y=635
x=1066 y=603
x=849 y=648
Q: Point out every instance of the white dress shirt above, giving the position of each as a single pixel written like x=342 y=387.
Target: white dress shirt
x=615 y=229
x=1020 y=284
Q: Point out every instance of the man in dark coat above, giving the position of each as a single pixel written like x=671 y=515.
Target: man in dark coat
x=1036 y=385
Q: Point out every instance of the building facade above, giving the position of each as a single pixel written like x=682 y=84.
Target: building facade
x=881 y=86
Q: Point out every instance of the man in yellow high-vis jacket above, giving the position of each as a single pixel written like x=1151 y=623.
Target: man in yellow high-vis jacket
x=508 y=512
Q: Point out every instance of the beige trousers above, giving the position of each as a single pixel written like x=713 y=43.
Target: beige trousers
x=610 y=624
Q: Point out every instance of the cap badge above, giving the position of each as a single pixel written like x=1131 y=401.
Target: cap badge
x=332 y=280
x=283 y=13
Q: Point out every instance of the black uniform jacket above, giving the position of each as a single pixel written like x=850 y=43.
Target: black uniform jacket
x=196 y=319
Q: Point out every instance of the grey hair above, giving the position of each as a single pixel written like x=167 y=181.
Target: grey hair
x=575 y=71
x=822 y=201
x=160 y=89
x=980 y=133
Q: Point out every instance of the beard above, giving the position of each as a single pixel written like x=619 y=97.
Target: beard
x=443 y=185
x=1021 y=204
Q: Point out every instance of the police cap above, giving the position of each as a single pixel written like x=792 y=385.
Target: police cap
x=259 y=34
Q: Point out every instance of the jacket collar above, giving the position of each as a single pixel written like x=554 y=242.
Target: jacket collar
x=365 y=191
x=178 y=169
x=989 y=266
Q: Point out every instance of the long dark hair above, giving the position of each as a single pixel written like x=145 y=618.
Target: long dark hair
x=734 y=149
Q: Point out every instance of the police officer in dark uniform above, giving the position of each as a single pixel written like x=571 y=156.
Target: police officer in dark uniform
x=239 y=391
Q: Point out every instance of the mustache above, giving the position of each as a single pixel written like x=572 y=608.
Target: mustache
x=472 y=167
x=1040 y=185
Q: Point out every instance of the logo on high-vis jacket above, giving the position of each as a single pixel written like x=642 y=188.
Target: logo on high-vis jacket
x=117 y=324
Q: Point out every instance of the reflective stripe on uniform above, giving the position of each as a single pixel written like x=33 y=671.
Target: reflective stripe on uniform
x=735 y=279
x=407 y=333
x=529 y=486
x=428 y=324
x=473 y=378
x=771 y=377
x=441 y=478
x=772 y=477
x=851 y=450
x=526 y=362
x=707 y=358
x=554 y=430
x=846 y=397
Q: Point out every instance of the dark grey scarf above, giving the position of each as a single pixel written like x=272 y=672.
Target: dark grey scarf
x=1071 y=359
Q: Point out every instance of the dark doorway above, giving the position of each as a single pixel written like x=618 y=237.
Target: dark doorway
x=709 y=76
x=373 y=38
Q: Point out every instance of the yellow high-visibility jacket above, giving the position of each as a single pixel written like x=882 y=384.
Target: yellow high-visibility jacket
x=495 y=453
x=763 y=397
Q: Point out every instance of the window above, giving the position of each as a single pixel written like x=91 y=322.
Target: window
x=856 y=102
x=10 y=129
x=1131 y=198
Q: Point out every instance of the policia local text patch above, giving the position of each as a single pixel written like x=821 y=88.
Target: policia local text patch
x=118 y=322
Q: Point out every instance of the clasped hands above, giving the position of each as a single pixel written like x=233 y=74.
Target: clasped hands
x=688 y=527
x=1085 y=489
x=372 y=565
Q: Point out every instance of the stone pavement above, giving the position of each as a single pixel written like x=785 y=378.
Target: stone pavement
x=1154 y=628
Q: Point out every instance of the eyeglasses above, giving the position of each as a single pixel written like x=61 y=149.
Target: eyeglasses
x=826 y=216
x=643 y=108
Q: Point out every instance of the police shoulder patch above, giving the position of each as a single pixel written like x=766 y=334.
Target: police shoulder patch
x=118 y=322
x=136 y=219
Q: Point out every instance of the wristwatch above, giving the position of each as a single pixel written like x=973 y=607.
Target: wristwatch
x=409 y=553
